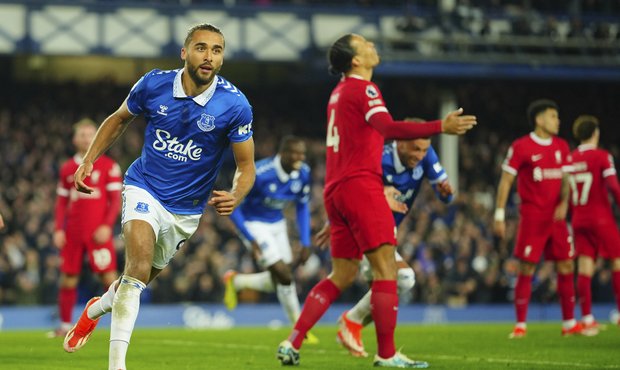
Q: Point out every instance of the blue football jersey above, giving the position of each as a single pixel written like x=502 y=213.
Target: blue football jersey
x=185 y=137
x=272 y=190
x=408 y=181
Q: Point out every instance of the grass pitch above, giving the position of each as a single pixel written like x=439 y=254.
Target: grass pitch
x=469 y=346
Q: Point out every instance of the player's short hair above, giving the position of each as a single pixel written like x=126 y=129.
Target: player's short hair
x=288 y=141
x=340 y=55
x=83 y=123
x=201 y=27
x=538 y=106
x=584 y=127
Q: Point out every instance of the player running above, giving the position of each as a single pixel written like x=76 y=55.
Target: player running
x=193 y=115
x=594 y=227
x=281 y=179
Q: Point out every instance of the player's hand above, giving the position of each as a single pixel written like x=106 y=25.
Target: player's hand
x=456 y=124
x=392 y=195
x=321 y=239
x=560 y=211
x=223 y=202
x=304 y=254
x=499 y=229
x=257 y=254
x=1 y=223
x=102 y=234
x=445 y=189
x=83 y=171
x=59 y=239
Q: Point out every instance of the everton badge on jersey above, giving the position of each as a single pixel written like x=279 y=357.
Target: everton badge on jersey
x=142 y=207
x=206 y=122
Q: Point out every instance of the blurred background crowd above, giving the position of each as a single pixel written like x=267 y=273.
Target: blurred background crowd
x=456 y=259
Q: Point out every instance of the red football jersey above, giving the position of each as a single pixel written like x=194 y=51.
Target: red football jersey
x=83 y=212
x=354 y=147
x=590 y=198
x=539 y=165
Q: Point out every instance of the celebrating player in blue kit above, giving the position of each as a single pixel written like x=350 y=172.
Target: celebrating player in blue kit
x=405 y=164
x=192 y=115
x=280 y=179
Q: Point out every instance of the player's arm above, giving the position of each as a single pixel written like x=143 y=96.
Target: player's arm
x=454 y=124
x=238 y=219
x=109 y=131
x=562 y=208
x=614 y=187
x=393 y=197
x=444 y=191
x=60 y=210
x=503 y=190
x=303 y=224
x=245 y=174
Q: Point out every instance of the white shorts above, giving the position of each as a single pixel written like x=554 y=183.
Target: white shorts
x=171 y=230
x=273 y=241
x=366 y=270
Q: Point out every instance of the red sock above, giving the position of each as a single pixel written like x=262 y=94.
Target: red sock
x=67 y=297
x=523 y=290
x=318 y=301
x=615 y=278
x=384 y=309
x=584 y=289
x=566 y=291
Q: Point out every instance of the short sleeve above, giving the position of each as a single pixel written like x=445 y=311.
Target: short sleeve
x=513 y=161
x=371 y=101
x=433 y=169
x=136 y=100
x=241 y=125
x=609 y=168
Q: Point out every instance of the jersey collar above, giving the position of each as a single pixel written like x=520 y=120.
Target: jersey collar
x=584 y=147
x=282 y=175
x=202 y=99
x=398 y=165
x=538 y=140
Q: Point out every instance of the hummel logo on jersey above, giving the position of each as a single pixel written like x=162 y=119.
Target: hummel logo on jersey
x=536 y=157
x=142 y=207
x=206 y=122
x=174 y=148
x=162 y=110
x=228 y=86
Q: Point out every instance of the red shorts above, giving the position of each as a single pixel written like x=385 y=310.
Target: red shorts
x=101 y=257
x=600 y=238
x=537 y=235
x=360 y=218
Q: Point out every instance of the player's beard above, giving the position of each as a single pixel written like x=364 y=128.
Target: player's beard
x=198 y=79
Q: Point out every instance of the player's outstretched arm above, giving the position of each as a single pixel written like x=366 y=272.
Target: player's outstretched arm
x=614 y=187
x=455 y=123
x=225 y=202
x=110 y=130
x=503 y=189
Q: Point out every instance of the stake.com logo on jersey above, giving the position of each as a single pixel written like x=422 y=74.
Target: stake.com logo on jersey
x=175 y=149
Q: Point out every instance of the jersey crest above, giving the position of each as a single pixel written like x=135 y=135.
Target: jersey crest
x=206 y=122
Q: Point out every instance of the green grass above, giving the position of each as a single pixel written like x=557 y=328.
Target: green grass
x=470 y=346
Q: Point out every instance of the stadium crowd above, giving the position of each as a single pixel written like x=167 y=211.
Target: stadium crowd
x=456 y=259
